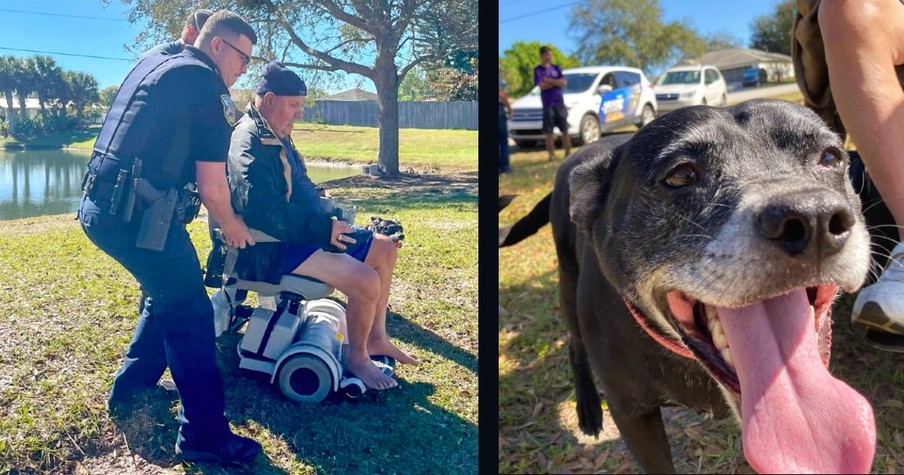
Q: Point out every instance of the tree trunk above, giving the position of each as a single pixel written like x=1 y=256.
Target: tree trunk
x=387 y=84
x=10 y=114
x=22 y=108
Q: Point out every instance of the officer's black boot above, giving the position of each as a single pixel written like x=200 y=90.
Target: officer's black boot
x=235 y=449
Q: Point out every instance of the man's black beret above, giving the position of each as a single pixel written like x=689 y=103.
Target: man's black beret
x=281 y=81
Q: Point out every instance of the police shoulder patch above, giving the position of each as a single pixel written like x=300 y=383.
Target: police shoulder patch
x=228 y=109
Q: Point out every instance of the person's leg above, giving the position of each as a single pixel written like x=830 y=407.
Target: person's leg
x=178 y=323
x=562 y=123
x=382 y=258
x=863 y=41
x=144 y=361
x=361 y=285
x=548 y=124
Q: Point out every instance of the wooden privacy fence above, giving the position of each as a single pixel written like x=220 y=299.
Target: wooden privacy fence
x=415 y=115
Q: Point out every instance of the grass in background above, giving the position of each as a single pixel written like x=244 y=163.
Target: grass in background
x=538 y=429
x=83 y=139
x=69 y=313
x=428 y=150
x=453 y=150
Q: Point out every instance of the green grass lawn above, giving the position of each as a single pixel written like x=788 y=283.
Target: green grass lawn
x=69 y=312
x=419 y=149
x=538 y=428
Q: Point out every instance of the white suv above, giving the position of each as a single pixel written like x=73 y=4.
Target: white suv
x=696 y=85
x=598 y=98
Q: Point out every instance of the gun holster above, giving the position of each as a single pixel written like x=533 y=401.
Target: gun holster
x=157 y=217
x=188 y=205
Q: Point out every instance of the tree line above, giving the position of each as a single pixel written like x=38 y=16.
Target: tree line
x=633 y=33
x=64 y=97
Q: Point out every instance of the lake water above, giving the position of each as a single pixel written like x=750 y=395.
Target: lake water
x=47 y=182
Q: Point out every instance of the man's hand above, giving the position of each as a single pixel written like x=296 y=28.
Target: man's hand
x=338 y=238
x=237 y=233
x=214 y=193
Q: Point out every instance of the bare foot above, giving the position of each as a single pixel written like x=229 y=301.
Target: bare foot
x=385 y=347
x=371 y=376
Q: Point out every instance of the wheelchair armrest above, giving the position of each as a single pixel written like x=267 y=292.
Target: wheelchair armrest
x=258 y=235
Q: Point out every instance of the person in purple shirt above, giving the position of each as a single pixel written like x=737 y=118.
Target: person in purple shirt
x=551 y=81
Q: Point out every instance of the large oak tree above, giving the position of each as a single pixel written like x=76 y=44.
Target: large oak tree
x=381 y=40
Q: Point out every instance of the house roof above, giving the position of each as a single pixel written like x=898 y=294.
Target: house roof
x=354 y=94
x=738 y=57
x=30 y=103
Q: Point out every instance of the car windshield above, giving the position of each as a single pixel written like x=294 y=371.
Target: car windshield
x=575 y=82
x=679 y=77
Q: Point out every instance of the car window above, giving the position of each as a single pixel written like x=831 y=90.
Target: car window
x=578 y=82
x=679 y=77
x=711 y=76
x=609 y=80
x=626 y=79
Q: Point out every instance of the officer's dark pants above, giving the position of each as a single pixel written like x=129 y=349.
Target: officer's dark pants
x=175 y=328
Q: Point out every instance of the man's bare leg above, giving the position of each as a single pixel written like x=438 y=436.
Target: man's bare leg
x=382 y=257
x=361 y=285
x=551 y=146
x=566 y=141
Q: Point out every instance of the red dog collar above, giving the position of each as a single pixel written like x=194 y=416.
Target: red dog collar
x=670 y=344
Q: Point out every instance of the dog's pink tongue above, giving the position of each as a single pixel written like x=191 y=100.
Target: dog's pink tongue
x=796 y=417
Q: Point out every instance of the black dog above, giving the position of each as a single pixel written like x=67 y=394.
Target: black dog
x=387 y=227
x=698 y=262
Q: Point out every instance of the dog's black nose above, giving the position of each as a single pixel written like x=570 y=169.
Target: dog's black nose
x=797 y=224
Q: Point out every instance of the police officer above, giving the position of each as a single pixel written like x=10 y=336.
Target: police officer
x=169 y=127
x=193 y=24
x=190 y=31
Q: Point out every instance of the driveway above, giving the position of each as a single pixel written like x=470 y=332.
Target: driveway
x=747 y=93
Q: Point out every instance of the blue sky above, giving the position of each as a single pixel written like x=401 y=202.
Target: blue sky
x=62 y=28
x=547 y=22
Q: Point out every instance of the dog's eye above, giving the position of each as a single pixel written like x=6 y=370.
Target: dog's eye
x=830 y=157
x=682 y=175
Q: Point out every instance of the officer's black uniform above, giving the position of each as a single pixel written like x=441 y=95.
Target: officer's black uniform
x=171 y=111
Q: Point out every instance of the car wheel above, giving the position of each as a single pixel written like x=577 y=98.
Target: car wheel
x=703 y=102
x=724 y=100
x=589 y=131
x=525 y=143
x=647 y=115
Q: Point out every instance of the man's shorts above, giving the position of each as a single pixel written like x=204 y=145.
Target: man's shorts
x=296 y=254
x=555 y=117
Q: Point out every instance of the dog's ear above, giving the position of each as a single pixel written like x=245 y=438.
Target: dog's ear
x=589 y=183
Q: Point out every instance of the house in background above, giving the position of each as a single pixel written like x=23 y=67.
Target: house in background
x=32 y=107
x=734 y=61
x=354 y=94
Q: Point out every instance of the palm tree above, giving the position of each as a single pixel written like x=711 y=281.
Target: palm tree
x=7 y=86
x=82 y=91
x=48 y=79
x=24 y=80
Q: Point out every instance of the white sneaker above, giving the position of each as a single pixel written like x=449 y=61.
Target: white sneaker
x=881 y=305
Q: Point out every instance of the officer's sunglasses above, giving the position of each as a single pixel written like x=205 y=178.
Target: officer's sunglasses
x=245 y=58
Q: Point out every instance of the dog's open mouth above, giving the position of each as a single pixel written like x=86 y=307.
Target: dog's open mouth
x=773 y=354
x=702 y=331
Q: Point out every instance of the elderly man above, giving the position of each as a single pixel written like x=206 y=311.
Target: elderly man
x=272 y=192
x=169 y=127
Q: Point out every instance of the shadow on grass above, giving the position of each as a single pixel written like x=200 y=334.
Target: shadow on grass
x=376 y=432
x=414 y=334
x=380 y=431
